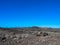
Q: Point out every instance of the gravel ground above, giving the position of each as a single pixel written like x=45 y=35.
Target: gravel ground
x=30 y=38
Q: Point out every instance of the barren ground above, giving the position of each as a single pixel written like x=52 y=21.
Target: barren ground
x=30 y=36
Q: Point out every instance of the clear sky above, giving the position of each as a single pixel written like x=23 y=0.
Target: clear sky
x=23 y=13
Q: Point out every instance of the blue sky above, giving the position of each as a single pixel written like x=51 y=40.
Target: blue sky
x=21 y=13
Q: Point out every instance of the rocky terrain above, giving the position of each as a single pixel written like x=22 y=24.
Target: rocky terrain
x=30 y=36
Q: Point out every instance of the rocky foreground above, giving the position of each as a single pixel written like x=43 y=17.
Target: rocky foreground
x=31 y=36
